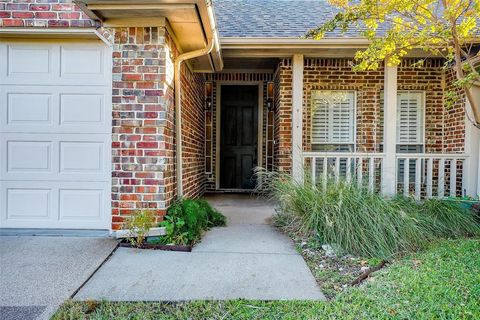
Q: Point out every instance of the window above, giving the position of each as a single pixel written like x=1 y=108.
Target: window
x=410 y=115
x=333 y=120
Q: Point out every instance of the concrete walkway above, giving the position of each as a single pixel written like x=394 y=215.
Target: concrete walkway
x=247 y=259
x=38 y=273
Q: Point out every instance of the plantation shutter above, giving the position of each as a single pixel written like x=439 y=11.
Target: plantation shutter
x=333 y=117
x=410 y=109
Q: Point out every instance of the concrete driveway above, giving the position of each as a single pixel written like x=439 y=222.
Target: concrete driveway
x=247 y=259
x=38 y=273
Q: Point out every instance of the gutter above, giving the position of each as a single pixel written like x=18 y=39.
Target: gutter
x=178 y=100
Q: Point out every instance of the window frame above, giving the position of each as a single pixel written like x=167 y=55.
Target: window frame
x=353 y=143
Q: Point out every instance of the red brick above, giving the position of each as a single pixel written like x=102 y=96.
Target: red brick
x=13 y=22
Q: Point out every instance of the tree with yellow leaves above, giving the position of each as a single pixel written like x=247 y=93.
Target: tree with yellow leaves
x=446 y=28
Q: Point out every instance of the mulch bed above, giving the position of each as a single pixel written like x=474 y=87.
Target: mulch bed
x=154 y=246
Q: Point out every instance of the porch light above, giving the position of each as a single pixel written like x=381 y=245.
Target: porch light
x=208 y=95
x=270 y=104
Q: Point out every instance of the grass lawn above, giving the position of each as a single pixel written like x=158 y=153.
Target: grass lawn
x=442 y=282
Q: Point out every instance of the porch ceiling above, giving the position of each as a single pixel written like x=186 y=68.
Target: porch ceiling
x=188 y=21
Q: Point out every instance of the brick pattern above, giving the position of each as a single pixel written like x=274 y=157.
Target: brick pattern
x=43 y=13
x=454 y=119
x=283 y=116
x=237 y=78
x=141 y=122
x=193 y=130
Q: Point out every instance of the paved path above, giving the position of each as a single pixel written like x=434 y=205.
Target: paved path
x=247 y=259
x=38 y=273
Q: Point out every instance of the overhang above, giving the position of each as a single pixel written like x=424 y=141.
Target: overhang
x=341 y=47
x=188 y=20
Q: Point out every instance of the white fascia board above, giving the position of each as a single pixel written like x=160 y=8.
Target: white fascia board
x=287 y=43
x=53 y=33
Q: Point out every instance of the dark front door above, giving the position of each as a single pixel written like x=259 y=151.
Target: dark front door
x=238 y=136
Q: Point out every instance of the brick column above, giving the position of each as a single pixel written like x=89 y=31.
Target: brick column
x=140 y=122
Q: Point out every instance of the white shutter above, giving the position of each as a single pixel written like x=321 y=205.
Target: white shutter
x=320 y=119
x=410 y=106
x=333 y=117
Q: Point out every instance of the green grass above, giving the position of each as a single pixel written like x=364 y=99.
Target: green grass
x=442 y=282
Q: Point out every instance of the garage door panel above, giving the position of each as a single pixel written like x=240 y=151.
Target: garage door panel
x=82 y=62
x=84 y=205
x=80 y=109
x=27 y=203
x=82 y=156
x=64 y=157
x=55 y=109
x=27 y=63
x=29 y=156
x=79 y=204
x=29 y=108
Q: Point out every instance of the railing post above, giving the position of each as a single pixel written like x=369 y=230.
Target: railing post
x=389 y=168
x=297 y=117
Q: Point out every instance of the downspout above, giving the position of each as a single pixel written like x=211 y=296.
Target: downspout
x=178 y=101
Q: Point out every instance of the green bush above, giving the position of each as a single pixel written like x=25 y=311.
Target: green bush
x=186 y=219
x=365 y=223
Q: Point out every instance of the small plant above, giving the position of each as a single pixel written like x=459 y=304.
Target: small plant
x=186 y=219
x=139 y=224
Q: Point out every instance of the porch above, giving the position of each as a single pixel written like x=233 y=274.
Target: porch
x=389 y=130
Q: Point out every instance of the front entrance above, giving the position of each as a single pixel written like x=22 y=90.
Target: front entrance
x=238 y=136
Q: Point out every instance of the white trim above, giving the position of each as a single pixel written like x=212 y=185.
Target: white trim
x=389 y=168
x=284 y=42
x=471 y=175
x=260 y=115
x=297 y=117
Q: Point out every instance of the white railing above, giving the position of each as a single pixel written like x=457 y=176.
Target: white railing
x=364 y=168
x=442 y=173
x=422 y=175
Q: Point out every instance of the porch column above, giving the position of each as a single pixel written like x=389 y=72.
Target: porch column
x=297 y=117
x=471 y=171
x=389 y=168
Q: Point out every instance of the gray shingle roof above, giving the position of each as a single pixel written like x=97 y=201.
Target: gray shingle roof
x=271 y=18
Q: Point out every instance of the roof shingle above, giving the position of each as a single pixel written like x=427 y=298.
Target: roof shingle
x=271 y=18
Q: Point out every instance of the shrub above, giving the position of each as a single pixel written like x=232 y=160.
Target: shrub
x=138 y=225
x=187 y=218
x=364 y=223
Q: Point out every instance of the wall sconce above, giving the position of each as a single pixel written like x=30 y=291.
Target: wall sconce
x=270 y=104
x=208 y=96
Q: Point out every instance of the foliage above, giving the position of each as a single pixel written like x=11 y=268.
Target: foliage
x=395 y=27
x=138 y=225
x=187 y=218
x=364 y=223
x=439 y=283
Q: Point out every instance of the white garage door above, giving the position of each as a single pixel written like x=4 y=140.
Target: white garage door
x=55 y=135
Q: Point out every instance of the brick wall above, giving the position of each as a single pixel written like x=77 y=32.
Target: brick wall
x=43 y=13
x=283 y=116
x=142 y=122
x=236 y=77
x=454 y=118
